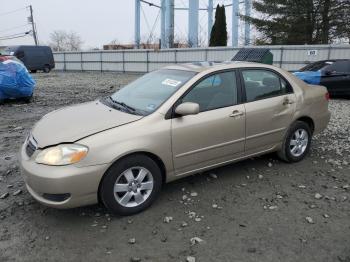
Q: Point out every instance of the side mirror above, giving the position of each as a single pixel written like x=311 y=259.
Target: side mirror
x=329 y=73
x=187 y=108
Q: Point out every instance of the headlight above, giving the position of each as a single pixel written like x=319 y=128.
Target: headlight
x=60 y=155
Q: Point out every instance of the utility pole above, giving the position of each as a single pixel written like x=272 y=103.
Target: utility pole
x=235 y=22
x=31 y=20
x=193 y=23
x=169 y=23
x=137 y=23
x=162 y=24
x=210 y=18
x=248 y=6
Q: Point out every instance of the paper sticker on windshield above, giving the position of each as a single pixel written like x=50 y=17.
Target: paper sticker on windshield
x=171 y=82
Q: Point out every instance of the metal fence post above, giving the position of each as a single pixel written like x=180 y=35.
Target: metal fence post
x=81 y=61
x=281 y=57
x=64 y=61
x=147 y=60
x=123 y=57
x=175 y=56
x=101 y=61
x=329 y=52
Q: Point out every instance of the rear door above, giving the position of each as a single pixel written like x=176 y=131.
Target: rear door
x=270 y=104
x=217 y=133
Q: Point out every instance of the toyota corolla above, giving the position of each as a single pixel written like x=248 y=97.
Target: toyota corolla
x=166 y=125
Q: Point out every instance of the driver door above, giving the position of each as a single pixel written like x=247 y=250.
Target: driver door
x=217 y=133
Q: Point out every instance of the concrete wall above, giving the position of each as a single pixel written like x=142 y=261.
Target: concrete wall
x=145 y=60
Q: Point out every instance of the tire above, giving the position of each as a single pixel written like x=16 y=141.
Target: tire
x=46 y=69
x=294 y=148
x=33 y=71
x=123 y=199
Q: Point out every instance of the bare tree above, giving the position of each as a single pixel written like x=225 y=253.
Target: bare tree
x=61 y=40
x=57 y=40
x=74 y=41
x=180 y=41
x=149 y=41
x=115 y=42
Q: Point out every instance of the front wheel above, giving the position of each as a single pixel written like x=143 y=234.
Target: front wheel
x=131 y=185
x=297 y=142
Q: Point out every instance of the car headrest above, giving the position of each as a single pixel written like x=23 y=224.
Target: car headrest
x=251 y=84
x=271 y=82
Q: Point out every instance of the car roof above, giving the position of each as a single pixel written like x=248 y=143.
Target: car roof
x=203 y=66
x=12 y=47
x=330 y=60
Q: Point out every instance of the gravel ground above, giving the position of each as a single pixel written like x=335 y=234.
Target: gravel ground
x=257 y=210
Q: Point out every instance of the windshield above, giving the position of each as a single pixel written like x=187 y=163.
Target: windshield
x=321 y=65
x=148 y=92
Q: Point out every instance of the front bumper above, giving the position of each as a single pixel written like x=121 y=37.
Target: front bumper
x=79 y=184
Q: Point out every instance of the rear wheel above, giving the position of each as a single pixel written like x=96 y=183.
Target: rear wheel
x=131 y=185
x=46 y=69
x=297 y=142
x=33 y=71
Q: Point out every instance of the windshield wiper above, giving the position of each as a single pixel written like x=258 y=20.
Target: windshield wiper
x=125 y=106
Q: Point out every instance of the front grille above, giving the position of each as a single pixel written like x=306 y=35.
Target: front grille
x=30 y=148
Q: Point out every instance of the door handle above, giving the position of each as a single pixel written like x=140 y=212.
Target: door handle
x=287 y=101
x=236 y=113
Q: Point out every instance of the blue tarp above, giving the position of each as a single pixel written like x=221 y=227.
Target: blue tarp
x=310 y=77
x=15 y=80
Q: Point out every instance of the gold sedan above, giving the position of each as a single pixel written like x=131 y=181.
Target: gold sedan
x=168 y=124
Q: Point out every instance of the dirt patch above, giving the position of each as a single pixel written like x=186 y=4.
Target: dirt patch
x=257 y=210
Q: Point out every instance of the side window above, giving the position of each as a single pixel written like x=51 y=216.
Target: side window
x=260 y=84
x=339 y=67
x=216 y=91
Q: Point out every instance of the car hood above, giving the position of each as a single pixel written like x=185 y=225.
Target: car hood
x=73 y=123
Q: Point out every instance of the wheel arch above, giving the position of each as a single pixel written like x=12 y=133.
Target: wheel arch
x=153 y=156
x=308 y=120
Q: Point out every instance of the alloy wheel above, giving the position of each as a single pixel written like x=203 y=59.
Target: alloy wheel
x=299 y=142
x=133 y=187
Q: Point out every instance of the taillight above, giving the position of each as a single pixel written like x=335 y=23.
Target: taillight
x=327 y=96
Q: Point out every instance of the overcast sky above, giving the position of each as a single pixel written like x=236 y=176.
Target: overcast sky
x=97 y=22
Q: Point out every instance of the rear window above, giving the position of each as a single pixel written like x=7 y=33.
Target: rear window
x=322 y=65
x=331 y=66
x=261 y=84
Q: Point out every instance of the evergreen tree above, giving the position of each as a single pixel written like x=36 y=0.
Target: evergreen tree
x=218 y=35
x=299 y=21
